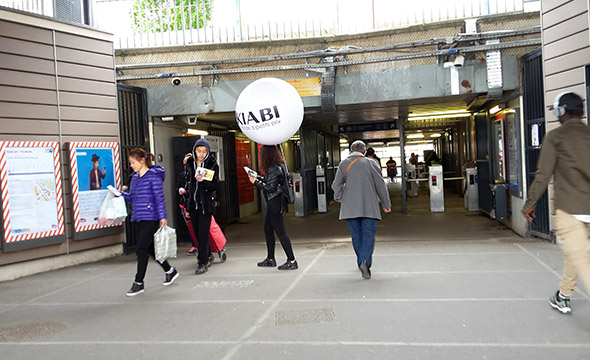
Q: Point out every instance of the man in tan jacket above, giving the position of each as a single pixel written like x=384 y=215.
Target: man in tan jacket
x=564 y=155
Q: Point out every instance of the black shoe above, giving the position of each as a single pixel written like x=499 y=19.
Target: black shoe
x=136 y=289
x=171 y=277
x=211 y=260
x=268 y=263
x=289 y=265
x=201 y=269
x=365 y=270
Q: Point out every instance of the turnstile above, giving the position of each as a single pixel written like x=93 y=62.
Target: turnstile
x=411 y=184
x=435 y=183
x=471 y=197
x=321 y=186
x=298 y=191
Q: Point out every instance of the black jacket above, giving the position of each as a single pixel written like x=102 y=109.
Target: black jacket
x=271 y=183
x=202 y=196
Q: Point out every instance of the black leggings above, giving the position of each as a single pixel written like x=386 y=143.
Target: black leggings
x=201 y=224
x=144 y=235
x=273 y=222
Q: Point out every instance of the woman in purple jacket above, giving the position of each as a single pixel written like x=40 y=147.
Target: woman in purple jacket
x=149 y=213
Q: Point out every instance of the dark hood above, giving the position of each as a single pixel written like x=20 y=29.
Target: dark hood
x=202 y=142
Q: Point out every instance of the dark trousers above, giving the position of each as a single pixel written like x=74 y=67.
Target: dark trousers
x=201 y=224
x=273 y=222
x=362 y=232
x=145 y=231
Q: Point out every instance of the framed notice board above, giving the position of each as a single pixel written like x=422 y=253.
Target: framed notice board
x=93 y=166
x=31 y=194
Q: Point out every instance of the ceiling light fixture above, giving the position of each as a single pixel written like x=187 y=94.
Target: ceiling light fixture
x=448 y=116
x=496 y=109
x=416 y=136
x=197 y=132
x=441 y=113
x=435 y=135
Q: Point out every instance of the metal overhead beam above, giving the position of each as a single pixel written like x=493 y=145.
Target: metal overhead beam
x=471 y=49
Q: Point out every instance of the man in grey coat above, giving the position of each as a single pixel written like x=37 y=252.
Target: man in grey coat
x=358 y=187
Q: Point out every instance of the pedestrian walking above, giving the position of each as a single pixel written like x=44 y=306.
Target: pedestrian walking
x=391 y=169
x=202 y=196
x=149 y=213
x=563 y=157
x=357 y=186
x=271 y=184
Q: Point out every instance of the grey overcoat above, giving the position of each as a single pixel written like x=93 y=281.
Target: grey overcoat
x=359 y=193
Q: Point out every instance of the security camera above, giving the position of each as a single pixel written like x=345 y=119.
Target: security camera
x=176 y=81
x=459 y=61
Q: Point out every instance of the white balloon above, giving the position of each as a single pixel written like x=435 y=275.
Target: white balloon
x=269 y=111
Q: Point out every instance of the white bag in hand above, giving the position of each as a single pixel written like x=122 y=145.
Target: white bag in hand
x=112 y=211
x=165 y=243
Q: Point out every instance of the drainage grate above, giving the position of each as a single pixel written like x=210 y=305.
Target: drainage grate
x=329 y=246
x=25 y=332
x=294 y=317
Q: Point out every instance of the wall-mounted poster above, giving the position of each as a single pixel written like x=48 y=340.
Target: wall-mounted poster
x=32 y=202
x=93 y=167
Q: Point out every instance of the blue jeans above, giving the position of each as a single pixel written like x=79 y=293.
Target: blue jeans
x=362 y=231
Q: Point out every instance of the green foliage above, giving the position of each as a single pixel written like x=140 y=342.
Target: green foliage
x=170 y=15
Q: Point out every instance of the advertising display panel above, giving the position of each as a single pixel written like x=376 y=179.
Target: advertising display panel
x=31 y=188
x=93 y=167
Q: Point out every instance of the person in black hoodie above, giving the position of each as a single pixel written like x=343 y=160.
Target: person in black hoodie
x=271 y=185
x=202 y=196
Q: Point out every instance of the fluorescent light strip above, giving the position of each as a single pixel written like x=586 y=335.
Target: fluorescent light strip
x=446 y=112
x=197 y=132
x=459 y=115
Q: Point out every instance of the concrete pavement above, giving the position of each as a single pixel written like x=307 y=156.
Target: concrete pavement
x=445 y=286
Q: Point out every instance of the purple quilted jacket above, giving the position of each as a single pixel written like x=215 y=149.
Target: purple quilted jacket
x=147 y=195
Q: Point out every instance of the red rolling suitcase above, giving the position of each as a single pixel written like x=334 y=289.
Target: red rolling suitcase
x=217 y=239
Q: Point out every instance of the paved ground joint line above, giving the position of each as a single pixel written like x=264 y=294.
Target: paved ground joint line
x=271 y=308
x=546 y=266
x=61 y=289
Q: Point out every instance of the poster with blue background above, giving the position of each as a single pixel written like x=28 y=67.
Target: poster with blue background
x=96 y=166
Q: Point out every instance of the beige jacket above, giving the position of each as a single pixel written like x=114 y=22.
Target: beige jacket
x=565 y=154
x=359 y=192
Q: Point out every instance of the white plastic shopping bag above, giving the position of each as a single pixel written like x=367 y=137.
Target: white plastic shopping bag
x=112 y=211
x=165 y=243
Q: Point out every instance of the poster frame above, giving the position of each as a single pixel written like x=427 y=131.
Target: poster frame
x=79 y=231
x=12 y=242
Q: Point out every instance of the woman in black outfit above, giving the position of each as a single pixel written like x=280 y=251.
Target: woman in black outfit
x=271 y=185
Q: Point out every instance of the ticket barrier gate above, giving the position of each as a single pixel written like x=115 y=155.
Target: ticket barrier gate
x=321 y=186
x=435 y=183
x=471 y=196
x=411 y=183
x=298 y=191
x=500 y=201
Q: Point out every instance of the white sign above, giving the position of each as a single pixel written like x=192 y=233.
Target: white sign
x=535 y=135
x=32 y=190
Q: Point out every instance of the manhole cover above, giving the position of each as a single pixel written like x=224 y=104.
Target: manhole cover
x=294 y=317
x=25 y=332
x=329 y=246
